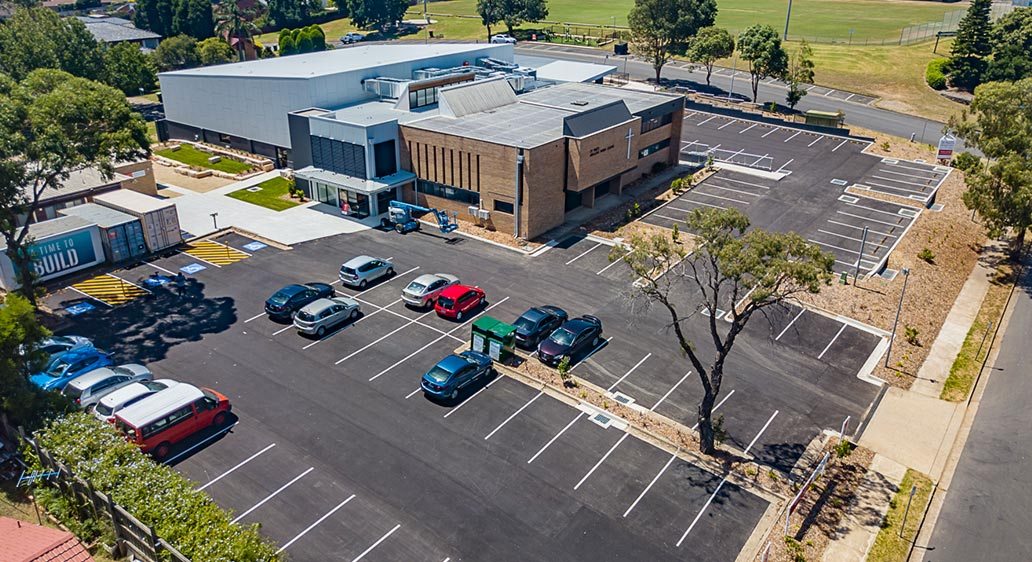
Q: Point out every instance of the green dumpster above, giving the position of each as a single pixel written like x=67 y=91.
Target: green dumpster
x=495 y=338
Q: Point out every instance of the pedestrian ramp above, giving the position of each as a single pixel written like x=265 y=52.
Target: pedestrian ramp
x=110 y=290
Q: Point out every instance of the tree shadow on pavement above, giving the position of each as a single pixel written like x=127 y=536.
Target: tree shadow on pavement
x=144 y=329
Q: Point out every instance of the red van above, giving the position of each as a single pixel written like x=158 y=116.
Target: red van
x=171 y=415
x=456 y=301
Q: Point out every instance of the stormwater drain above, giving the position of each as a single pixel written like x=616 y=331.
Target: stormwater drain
x=623 y=398
x=254 y=189
x=888 y=274
x=720 y=312
x=908 y=212
x=848 y=199
x=839 y=182
x=889 y=161
x=602 y=420
x=936 y=207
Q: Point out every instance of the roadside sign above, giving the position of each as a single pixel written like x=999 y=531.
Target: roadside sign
x=946 y=145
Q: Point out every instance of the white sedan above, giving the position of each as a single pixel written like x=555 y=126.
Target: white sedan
x=423 y=290
x=503 y=38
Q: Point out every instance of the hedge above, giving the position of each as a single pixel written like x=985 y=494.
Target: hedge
x=935 y=74
x=156 y=494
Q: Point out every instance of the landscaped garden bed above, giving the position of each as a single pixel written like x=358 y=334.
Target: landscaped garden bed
x=272 y=194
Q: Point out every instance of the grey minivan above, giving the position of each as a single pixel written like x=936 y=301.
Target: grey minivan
x=88 y=389
x=320 y=316
x=363 y=270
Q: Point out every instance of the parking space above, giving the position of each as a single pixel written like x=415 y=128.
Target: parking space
x=214 y=253
x=338 y=455
x=910 y=180
x=843 y=232
x=109 y=289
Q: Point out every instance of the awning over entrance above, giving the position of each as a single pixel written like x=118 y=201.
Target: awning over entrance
x=357 y=185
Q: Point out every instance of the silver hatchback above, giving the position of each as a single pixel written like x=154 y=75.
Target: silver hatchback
x=320 y=316
x=363 y=270
x=88 y=389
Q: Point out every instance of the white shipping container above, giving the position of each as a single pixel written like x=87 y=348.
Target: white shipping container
x=159 y=217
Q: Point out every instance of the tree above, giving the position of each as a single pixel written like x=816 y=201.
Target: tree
x=491 y=12
x=376 y=13
x=1000 y=125
x=800 y=71
x=515 y=12
x=305 y=41
x=287 y=46
x=662 y=28
x=197 y=19
x=214 y=50
x=234 y=22
x=177 y=53
x=709 y=46
x=128 y=69
x=971 y=46
x=38 y=38
x=1012 y=47
x=287 y=13
x=753 y=268
x=761 y=46
x=156 y=15
x=20 y=336
x=52 y=123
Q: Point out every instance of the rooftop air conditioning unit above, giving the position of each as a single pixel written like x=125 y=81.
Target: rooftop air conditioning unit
x=473 y=209
x=483 y=214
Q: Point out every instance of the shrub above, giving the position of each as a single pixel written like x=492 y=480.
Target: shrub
x=564 y=372
x=844 y=449
x=965 y=161
x=910 y=334
x=184 y=517
x=885 y=145
x=935 y=74
x=927 y=255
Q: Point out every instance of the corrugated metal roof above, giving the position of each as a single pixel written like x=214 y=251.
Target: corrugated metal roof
x=474 y=97
x=104 y=217
x=593 y=95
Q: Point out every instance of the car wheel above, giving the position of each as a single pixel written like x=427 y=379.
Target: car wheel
x=458 y=315
x=454 y=394
x=390 y=272
x=363 y=284
x=161 y=451
x=594 y=342
x=321 y=331
x=220 y=419
x=354 y=314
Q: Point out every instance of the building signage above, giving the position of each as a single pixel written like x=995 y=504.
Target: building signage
x=946 y=145
x=599 y=150
x=57 y=255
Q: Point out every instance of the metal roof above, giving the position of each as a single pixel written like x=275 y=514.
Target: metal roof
x=370 y=186
x=107 y=32
x=336 y=61
x=579 y=97
x=132 y=201
x=104 y=217
x=474 y=97
x=571 y=71
x=159 y=404
x=40 y=231
x=81 y=181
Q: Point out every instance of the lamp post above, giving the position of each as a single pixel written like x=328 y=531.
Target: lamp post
x=734 y=71
x=215 y=220
x=892 y=339
x=788 y=16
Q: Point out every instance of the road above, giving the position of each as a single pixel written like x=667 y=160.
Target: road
x=986 y=514
x=890 y=122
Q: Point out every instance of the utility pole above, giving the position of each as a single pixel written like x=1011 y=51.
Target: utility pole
x=788 y=17
x=863 y=242
x=892 y=339
x=734 y=71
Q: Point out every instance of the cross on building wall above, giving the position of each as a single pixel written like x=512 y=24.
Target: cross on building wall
x=630 y=135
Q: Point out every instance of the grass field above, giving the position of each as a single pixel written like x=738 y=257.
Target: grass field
x=891 y=545
x=190 y=155
x=273 y=195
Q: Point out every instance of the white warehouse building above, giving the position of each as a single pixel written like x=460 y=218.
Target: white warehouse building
x=245 y=105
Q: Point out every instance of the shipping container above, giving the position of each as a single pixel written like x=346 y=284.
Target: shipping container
x=60 y=246
x=121 y=233
x=158 y=217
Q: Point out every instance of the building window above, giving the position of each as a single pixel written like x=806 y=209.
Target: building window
x=504 y=207
x=224 y=138
x=652 y=149
x=383 y=155
x=656 y=122
x=420 y=98
x=341 y=157
x=427 y=187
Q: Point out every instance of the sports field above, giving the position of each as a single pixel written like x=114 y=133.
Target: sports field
x=869 y=19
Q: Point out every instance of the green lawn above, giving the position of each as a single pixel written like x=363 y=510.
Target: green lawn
x=273 y=195
x=189 y=155
x=889 y=546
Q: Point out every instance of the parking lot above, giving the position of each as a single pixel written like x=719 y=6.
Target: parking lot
x=337 y=453
x=800 y=186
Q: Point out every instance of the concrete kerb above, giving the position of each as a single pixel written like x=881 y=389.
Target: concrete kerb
x=492 y=242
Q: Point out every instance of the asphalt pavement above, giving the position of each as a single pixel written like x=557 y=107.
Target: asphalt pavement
x=885 y=121
x=986 y=513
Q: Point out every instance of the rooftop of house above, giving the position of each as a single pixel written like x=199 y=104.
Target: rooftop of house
x=115 y=30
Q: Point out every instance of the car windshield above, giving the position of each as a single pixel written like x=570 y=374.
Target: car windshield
x=152 y=385
x=305 y=316
x=57 y=367
x=62 y=340
x=562 y=336
x=524 y=323
x=105 y=409
x=280 y=297
x=416 y=288
x=446 y=302
x=438 y=374
x=72 y=392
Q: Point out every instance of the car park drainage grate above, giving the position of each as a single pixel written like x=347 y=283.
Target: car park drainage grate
x=889 y=161
x=848 y=199
x=936 y=207
x=888 y=274
x=839 y=182
x=623 y=398
x=602 y=420
x=908 y=212
x=941 y=169
x=918 y=197
x=254 y=189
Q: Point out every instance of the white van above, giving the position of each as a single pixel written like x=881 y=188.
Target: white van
x=128 y=395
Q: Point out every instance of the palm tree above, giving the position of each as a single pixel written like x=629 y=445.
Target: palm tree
x=236 y=22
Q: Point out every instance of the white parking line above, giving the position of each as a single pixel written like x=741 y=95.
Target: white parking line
x=242 y=463
x=701 y=511
x=769 y=132
x=439 y=338
x=726 y=124
x=766 y=155
x=466 y=401
x=849 y=97
x=654 y=479
x=762 y=429
x=723 y=178
x=866 y=219
x=603 y=270
x=875 y=232
x=283 y=329
x=156 y=266
x=400 y=315
x=890 y=213
x=904 y=182
x=381 y=338
x=205 y=441
x=747 y=128
x=883 y=186
x=837 y=334
x=557 y=435
x=915 y=168
x=413 y=393
x=345 y=325
x=602 y=460
x=871 y=243
x=193 y=257
x=697 y=192
x=514 y=414
x=785 y=164
x=793 y=136
x=313 y=525
x=815 y=141
x=378 y=310
x=669 y=392
x=601 y=344
x=255 y=317
x=628 y=373
x=376 y=544
x=933 y=177
x=584 y=253
x=801 y=311
x=378 y=285
x=841 y=248
x=717 y=407
x=840 y=145
x=272 y=495
x=707 y=121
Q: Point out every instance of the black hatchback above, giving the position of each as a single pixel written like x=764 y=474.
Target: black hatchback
x=573 y=339
x=288 y=300
x=537 y=324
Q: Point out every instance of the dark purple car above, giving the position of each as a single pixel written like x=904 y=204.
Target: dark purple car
x=574 y=338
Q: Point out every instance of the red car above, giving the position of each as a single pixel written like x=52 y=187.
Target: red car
x=171 y=415
x=457 y=301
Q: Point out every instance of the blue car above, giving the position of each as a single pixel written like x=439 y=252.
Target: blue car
x=455 y=372
x=66 y=366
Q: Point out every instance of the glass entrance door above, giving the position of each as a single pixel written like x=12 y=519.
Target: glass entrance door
x=353 y=204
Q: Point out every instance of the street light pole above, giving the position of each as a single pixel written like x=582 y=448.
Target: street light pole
x=788 y=16
x=892 y=339
x=734 y=71
x=863 y=242
x=906 y=512
x=215 y=220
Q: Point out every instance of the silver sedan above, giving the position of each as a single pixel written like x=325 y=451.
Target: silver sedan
x=423 y=290
x=320 y=316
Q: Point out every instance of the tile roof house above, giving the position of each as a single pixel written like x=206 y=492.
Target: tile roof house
x=21 y=541
x=107 y=29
